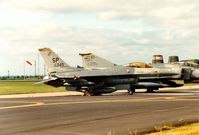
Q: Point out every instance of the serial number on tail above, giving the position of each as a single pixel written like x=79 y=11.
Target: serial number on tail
x=56 y=62
x=59 y=65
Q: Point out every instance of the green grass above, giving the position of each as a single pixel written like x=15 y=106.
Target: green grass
x=25 y=87
x=192 y=129
x=191 y=84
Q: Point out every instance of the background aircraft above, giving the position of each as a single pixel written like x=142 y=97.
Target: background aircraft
x=190 y=68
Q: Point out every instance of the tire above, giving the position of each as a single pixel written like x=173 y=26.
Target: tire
x=88 y=93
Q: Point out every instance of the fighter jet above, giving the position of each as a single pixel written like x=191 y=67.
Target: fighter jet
x=93 y=62
x=95 y=82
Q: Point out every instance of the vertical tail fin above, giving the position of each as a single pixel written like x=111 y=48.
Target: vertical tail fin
x=52 y=60
x=92 y=61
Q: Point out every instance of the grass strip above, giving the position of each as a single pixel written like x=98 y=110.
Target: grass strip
x=192 y=129
x=26 y=87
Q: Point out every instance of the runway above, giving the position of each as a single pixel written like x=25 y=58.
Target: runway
x=113 y=114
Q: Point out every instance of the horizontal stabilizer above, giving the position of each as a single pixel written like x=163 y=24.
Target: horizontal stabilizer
x=46 y=79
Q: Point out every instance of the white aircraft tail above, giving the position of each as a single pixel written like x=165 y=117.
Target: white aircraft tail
x=53 y=62
x=92 y=61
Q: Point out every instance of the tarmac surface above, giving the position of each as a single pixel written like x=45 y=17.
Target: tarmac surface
x=113 y=114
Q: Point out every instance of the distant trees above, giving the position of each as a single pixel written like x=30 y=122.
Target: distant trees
x=18 y=77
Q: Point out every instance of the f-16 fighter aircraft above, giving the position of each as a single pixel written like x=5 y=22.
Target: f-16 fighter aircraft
x=95 y=82
x=91 y=61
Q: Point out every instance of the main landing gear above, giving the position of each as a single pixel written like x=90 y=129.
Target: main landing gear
x=88 y=92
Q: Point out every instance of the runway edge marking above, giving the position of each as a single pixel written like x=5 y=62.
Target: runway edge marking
x=23 y=106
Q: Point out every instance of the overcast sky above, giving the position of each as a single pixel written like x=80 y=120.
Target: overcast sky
x=120 y=30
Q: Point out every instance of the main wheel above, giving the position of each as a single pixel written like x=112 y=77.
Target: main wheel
x=88 y=92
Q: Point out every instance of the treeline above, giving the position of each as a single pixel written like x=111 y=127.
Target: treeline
x=18 y=77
